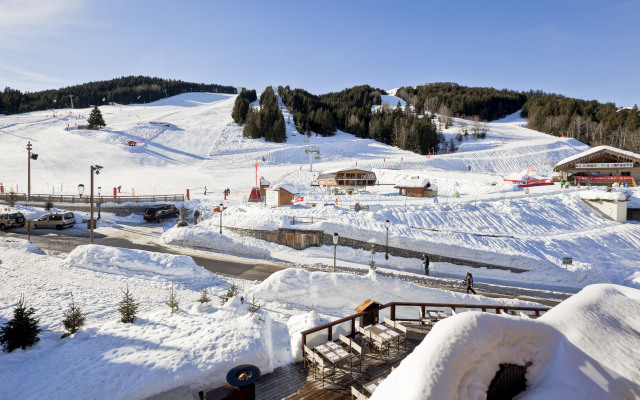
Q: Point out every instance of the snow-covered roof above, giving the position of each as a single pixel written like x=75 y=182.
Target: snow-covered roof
x=597 y=150
x=412 y=182
x=264 y=182
x=286 y=186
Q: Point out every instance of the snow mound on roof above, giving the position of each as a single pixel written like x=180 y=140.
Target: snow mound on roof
x=337 y=291
x=595 y=150
x=205 y=235
x=19 y=244
x=602 y=195
x=126 y=261
x=587 y=347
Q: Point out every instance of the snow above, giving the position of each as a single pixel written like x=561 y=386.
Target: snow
x=114 y=260
x=413 y=182
x=595 y=150
x=479 y=217
x=461 y=355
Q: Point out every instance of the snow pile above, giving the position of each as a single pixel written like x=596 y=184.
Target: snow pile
x=7 y=243
x=158 y=352
x=206 y=235
x=302 y=322
x=602 y=195
x=461 y=355
x=118 y=260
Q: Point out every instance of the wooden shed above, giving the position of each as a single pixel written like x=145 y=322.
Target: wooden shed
x=368 y=305
x=264 y=185
x=602 y=165
x=416 y=186
x=281 y=195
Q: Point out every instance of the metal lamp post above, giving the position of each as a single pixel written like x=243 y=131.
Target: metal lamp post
x=99 y=201
x=96 y=169
x=335 y=246
x=221 y=205
x=372 y=264
x=80 y=189
x=386 y=253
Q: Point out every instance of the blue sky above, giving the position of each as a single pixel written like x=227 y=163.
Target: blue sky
x=584 y=49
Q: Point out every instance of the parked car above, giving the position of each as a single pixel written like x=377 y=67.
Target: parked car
x=55 y=220
x=160 y=213
x=14 y=219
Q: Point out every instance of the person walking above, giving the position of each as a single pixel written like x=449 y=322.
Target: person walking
x=469 y=281
x=425 y=263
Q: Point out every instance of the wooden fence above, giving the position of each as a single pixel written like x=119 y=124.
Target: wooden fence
x=56 y=199
x=372 y=315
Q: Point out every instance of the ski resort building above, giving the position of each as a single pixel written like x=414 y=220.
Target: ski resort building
x=602 y=165
x=416 y=186
x=347 y=179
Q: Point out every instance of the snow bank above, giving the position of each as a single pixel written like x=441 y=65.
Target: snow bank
x=602 y=195
x=460 y=356
x=346 y=291
x=158 y=352
x=122 y=261
x=206 y=235
x=19 y=244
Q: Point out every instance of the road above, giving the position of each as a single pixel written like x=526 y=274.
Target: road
x=144 y=237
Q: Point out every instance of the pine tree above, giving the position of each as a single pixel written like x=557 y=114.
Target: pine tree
x=233 y=291
x=183 y=215
x=48 y=205
x=73 y=319
x=128 y=307
x=22 y=330
x=95 y=119
x=172 y=300
x=204 y=298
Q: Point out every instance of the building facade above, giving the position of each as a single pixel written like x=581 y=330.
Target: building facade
x=602 y=165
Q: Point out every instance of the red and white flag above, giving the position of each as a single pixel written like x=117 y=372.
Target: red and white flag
x=299 y=199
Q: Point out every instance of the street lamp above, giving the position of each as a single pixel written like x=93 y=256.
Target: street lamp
x=80 y=189
x=335 y=246
x=99 y=201
x=221 y=205
x=372 y=264
x=96 y=169
x=386 y=253
x=30 y=156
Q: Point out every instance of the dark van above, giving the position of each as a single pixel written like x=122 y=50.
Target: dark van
x=160 y=213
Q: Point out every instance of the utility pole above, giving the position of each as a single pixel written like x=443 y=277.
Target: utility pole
x=70 y=96
x=28 y=171
x=310 y=150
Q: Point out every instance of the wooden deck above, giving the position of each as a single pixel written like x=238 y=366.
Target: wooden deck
x=295 y=382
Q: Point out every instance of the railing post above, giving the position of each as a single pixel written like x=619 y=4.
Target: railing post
x=422 y=308
x=484 y=309
x=497 y=310
x=304 y=341
x=393 y=312
x=330 y=334
x=353 y=327
x=537 y=313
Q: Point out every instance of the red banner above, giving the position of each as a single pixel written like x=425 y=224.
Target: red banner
x=603 y=178
x=299 y=199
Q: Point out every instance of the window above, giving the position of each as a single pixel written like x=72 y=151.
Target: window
x=43 y=218
x=625 y=173
x=68 y=215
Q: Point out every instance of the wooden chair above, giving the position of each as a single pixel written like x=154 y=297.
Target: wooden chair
x=393 y=325
x=309 y=359
x=424 y=319
x=323 y=368
x=358 y=395
x=355 y=358
x=403 y=334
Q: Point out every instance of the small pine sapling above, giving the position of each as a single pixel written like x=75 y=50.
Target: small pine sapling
x=48 y=205
x=73 y=319
x=233 y=291
x=254 y=307
x=11 y=200
x=204 y=297
x=22 y=330
x=183 y=215
x=128 y=307
x=172 y=300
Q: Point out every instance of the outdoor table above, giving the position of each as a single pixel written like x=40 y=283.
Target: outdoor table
x=332 y=352
x=373 y=385
x=436 y=315
x=384 y=334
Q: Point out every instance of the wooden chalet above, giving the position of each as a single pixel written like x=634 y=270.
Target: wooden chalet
x=602 y=165
x=416 y=186
x=347 y=178
x=281 y=195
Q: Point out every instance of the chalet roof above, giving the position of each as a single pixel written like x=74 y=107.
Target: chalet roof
x=264 y=182
x=412 y=182
x=367 y=304
x=596 y=151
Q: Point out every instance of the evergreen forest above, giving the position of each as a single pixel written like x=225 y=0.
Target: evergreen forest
x=124 y=90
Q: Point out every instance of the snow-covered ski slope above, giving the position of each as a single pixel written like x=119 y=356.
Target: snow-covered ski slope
x=202 y=146
x=190 y=141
